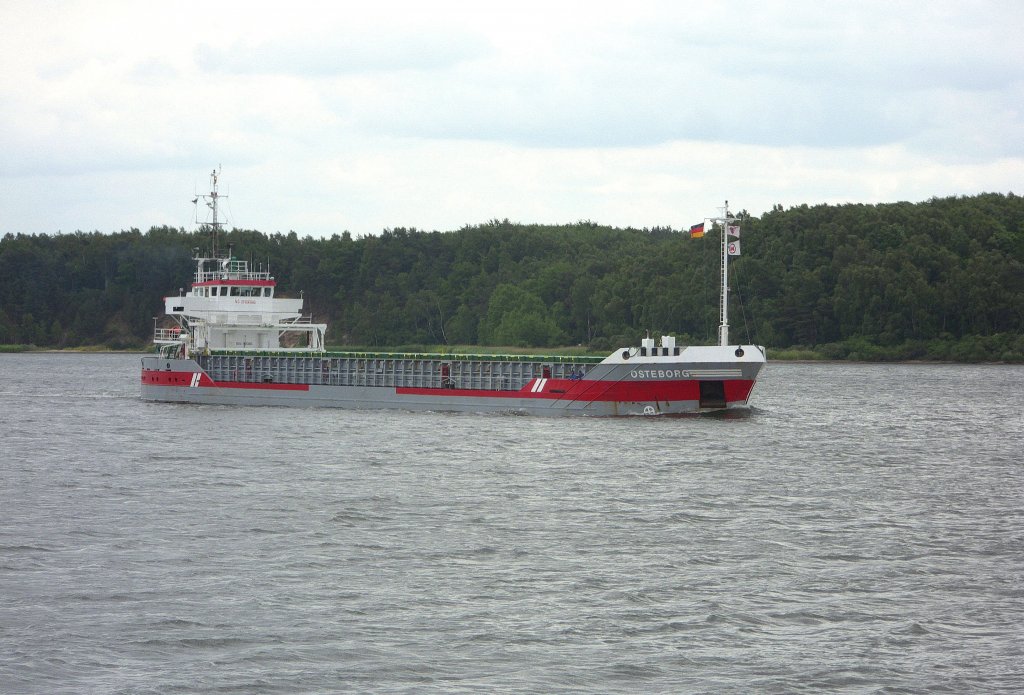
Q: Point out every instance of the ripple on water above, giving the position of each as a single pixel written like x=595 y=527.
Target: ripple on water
x=858 y=530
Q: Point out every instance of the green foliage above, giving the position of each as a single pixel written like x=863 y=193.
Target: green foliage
x=518 y=317
x=942 y=279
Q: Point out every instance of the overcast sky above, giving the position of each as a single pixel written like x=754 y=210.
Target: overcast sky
x=431 y=114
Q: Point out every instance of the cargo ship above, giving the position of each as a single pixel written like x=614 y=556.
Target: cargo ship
x=234 y=342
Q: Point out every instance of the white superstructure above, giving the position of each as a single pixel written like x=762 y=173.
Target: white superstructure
x=230 y=306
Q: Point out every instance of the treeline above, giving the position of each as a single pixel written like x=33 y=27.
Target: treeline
x=942 y=279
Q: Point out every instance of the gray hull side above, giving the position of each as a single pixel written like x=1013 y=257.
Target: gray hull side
x=676 y=370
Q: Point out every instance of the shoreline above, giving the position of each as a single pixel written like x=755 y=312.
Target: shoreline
x=18 y=350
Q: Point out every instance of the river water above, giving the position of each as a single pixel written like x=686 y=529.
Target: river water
x=859 y=530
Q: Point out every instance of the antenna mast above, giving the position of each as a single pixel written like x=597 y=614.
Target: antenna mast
x=724 y=222
x=211 y=199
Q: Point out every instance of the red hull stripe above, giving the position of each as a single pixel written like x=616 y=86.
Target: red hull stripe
x=736 y=390
x=162 y=378
x=563 y=389
x=152 y=377
x=246 y=283
x=250 y=385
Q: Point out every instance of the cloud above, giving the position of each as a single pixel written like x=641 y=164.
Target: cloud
x=342 y=54
x=441 y=114
x=823 y=79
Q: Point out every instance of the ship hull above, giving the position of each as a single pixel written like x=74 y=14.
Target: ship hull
x=607 y=390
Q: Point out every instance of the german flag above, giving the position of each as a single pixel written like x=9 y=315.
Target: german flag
x=697 y=231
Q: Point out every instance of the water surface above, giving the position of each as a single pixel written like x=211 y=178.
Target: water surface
x=859 y=530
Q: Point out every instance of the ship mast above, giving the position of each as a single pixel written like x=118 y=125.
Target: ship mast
x=211 y=199
x=724 y=222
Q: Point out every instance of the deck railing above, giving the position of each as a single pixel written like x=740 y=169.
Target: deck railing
x=167 y=335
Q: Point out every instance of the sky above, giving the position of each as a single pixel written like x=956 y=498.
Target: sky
x=344 y=116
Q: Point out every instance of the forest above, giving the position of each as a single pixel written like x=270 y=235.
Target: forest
x=941 y=279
